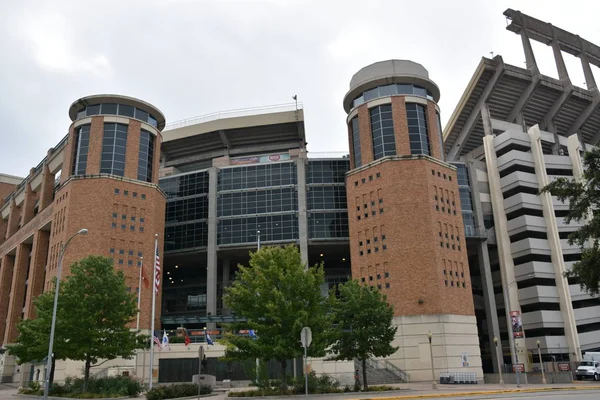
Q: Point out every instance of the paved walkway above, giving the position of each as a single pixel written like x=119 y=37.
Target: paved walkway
x=406 y=391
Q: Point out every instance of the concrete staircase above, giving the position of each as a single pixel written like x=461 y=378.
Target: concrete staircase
x=381 y=372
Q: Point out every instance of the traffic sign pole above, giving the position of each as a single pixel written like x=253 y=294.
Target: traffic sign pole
x=306 y=339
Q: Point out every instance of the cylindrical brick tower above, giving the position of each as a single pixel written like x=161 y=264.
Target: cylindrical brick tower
x=109 y=185
x=406 y=229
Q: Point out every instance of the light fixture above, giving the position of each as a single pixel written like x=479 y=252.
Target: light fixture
x=177 y=266
x=168 y=272
x=495 y=340
x=182 y=280
x=321 y=254
x=343 y=259
x=429 y=335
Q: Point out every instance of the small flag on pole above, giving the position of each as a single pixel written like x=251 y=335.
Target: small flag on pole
x=252 y=334
x=145 y=280
x=156 y=269
x=157 y=342
x=209 y=340
x=165 y=341
x=187 y=339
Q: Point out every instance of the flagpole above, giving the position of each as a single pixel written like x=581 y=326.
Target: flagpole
x=257 y=360
x=153 y=311
x=139 y=303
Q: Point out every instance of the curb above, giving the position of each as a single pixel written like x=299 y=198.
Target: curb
x=480 y=392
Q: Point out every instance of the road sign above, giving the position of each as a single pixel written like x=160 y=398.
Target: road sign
x=306 y=336
x=201 y=353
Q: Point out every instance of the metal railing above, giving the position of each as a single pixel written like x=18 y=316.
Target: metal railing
x=328 y=154
x=472 y=232
x=242 y=112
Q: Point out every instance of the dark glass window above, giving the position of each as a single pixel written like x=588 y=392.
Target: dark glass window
x=257 y=202
x=80 y=151
x=257 y=176
x=438 y=121
x=140 y=114
x=356 y=142
x=146 y=156
x=186 y=236
x=330 y=171
x=109 y=108
x=327 y=198
x=273 y=228
x=184 y=185
x=126 y=111
x=417 y=129
x=330 y=225
x=382 y=129
x=187 y=209
x=113 y=149
x=462 y=174
x=93 y=110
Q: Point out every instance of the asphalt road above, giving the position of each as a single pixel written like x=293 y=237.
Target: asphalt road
x=557 y=395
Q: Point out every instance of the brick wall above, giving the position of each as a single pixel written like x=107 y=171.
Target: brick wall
x=395 y=243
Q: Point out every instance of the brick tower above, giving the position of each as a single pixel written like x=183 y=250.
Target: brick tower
x=406 y=228
x=109 y=186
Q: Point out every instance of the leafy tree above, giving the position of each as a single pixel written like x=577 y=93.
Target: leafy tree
x=584 y=202
x=99 y=310
x=33 y=340
x=364 y=320
x=278 y=296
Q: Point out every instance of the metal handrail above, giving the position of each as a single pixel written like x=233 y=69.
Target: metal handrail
x=242 y=112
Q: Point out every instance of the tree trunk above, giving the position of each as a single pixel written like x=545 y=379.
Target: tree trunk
x=52 y=368
x=284 y=374
x=86 y=377
x=364 y=367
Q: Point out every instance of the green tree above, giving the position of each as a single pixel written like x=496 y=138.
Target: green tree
x=98 y=310
x=584 y=202
x=278 y=296
x=364 y=321
x=33 y=340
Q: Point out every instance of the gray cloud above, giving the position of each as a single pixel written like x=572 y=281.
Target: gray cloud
x=195 y=57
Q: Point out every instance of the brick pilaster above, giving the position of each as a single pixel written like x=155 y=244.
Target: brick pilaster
x=17 y=292
x=37 y=272
x=6 y=273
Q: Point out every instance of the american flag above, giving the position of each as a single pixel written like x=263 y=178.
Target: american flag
x=156 y=270
x=157 y=342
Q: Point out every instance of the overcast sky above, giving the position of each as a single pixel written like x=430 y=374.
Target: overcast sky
x=194 y=57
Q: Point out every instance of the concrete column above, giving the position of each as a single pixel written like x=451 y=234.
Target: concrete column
x=301 y=165
x=6 y=275
x=17 y=292
x=13 y=219
x=47 y=189
x=561 y=67
x=556 y=254
x=3 y=226
x=487 y=120
x=211 y=249
x=507 y=266
x=37 y=271
x=587 y=71
x=225 y=270
x=485 y=269
x=529 y=56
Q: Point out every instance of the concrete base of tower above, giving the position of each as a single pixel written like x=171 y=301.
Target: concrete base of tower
x=8 y=366
x=455 y=345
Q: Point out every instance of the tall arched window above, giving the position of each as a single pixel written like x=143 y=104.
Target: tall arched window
x=146 y=156
x=80 y=149
x=356 y=142
x=382 y=129
x=114 y=146
x=417 y=129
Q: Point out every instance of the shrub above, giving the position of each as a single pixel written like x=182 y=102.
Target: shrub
x=381 y=388
x=177 y=390
x=316 y=385
x=115 y=386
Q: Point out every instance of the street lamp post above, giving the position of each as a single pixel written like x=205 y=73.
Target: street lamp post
x=433 y=383
x=498 y=357
x=53 y=325
x=541 y=363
